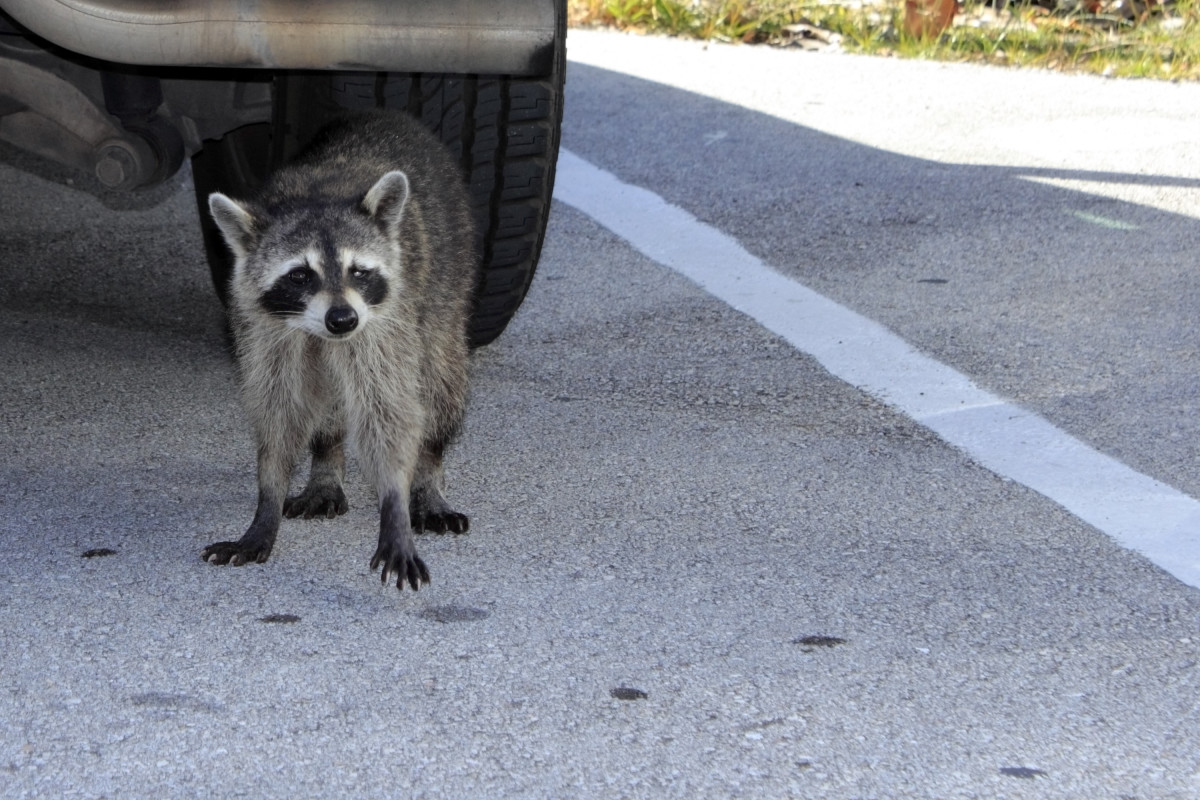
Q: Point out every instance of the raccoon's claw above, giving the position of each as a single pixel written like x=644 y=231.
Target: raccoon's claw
x=236 y=553
x=406 y=566
x=325 y=501
x=429 y=511
x=448 y=522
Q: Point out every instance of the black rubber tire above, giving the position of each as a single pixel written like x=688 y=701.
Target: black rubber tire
x=234 y=164
x=504 y=130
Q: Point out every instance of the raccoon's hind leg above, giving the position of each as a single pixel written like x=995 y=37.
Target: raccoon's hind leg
x=322 y=496
x=428 y=509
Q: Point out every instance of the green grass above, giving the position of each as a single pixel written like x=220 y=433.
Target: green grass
x=1160 y=42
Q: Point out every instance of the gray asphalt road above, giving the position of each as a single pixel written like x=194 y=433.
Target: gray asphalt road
x=699 y=565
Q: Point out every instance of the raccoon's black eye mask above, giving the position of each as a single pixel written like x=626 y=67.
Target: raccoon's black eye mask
x=369 y=283
x=290 y=293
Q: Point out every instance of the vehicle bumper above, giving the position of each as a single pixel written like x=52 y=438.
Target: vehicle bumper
x=509 y=37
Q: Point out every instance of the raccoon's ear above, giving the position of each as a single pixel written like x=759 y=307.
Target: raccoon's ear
x=385 y=201
x=237 y=224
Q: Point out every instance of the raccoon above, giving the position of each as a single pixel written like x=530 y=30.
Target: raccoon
x=354 y=272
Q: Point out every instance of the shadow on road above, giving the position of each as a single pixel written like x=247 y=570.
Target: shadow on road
x=1078 y=306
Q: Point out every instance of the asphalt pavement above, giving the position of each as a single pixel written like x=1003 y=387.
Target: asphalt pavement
x=699 y=564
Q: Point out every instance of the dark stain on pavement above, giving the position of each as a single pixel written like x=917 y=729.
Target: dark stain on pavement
x=818 y=641
x=173 y=701
x=453 y=613
x=99 y=552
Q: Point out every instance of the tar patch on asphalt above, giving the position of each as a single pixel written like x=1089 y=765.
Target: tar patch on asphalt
x=628 y=693
x=1028 y=773
x=174 y=702
x=99 y=552
x=818 y=641
x=452 y=613
x=280 y=619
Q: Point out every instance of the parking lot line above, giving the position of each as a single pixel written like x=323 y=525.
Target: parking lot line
x=1140 y=513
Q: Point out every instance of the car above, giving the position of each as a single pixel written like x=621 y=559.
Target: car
x=129 y=89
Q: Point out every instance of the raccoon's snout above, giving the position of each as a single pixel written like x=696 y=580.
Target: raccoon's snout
x=340 y=320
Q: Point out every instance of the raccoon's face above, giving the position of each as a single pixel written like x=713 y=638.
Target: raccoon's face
x=329 y=291
x=320 y=268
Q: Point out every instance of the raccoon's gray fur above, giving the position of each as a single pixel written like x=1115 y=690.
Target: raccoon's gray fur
x=351 y=290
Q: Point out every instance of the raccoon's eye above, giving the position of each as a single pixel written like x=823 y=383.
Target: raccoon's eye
x=358 y=272
x=300 y=276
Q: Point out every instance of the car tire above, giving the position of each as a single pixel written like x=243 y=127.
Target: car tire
x=504 y=131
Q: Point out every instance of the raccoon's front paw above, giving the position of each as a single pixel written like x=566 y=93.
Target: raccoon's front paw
x=236 y=553
x=401 y=560
x=317 y=501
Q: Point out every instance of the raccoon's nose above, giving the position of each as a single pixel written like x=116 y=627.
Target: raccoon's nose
x=341 y=319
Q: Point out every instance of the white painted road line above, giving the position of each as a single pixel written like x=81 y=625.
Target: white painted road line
x=1140 y=513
